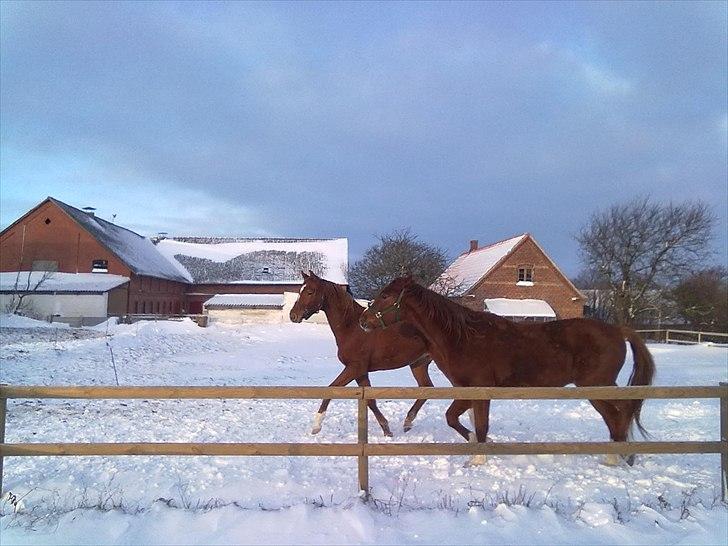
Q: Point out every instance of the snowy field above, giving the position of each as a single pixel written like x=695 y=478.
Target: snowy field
x=663 y=499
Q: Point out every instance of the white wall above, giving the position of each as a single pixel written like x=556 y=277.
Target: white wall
x=289 y=299
x=246 y=316
x=65 y=305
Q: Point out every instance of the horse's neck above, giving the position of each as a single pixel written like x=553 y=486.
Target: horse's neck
x=342 y=312
x=439 y=341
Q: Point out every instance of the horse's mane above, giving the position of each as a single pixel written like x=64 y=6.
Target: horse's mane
x=339 y=292
x=456 y=320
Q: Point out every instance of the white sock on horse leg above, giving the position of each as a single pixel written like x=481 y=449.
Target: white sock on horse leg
x=317 y=420
x=475 y=460
x=612 y=459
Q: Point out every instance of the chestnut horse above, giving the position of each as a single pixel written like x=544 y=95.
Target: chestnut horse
x=361 y=353
x=478 y=349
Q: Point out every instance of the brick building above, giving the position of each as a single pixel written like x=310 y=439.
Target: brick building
x=161 y=276
x=513 y=278
x=54 y=236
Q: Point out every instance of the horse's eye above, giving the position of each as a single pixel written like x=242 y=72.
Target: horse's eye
x=310 y=292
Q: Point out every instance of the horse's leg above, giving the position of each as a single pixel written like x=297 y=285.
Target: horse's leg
x=422 y=376
x=319 y=417
x=452 y=415
x=481 y=420
x=344 y=378
x=617 y=415
x=381 y=419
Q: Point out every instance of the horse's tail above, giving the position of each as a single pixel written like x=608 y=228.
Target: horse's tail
x=642 y=373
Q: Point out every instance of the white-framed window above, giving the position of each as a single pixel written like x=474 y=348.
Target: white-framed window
x=525 y=274
x=100 y=266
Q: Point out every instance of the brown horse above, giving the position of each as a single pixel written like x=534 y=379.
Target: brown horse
x=361 y=353
x=477 y=349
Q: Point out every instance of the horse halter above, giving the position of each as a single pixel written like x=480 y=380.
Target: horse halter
x=394 y=307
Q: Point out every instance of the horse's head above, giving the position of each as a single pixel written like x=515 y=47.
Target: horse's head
x=386 y=309
x=310 y=298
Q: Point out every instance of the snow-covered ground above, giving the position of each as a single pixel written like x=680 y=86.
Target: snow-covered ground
x=278 y=500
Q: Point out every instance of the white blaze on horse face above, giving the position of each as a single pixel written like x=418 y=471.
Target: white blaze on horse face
x=302 y=288
x=318 y=419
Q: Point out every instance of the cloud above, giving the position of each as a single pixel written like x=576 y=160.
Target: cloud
x=468 y=121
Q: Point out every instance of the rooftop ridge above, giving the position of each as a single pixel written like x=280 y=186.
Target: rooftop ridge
x=493 y=244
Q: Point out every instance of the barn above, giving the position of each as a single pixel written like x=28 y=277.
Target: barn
x=514 y=278
x=237 y=265
x=109 y=270
x=56 y=237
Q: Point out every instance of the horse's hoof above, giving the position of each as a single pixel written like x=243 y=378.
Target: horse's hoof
x=315 y=430
x=476 y=460
x=407 y=426
x=388 y=433
x=629 y=459
x=612 y=459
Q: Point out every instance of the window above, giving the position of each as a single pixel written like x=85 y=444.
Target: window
x=100 y=266
x=525 y=274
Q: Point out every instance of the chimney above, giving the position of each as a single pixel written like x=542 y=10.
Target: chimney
x=90 y=211
x=473 y=245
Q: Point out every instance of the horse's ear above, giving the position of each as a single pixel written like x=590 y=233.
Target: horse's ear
x=312 y=274
x=304 y=275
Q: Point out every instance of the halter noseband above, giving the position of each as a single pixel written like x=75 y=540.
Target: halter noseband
x=394 y=307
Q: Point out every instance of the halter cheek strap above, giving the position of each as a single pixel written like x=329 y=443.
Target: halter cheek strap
x=394 y=307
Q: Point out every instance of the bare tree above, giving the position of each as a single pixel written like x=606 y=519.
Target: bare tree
x=641 y=248
x=24 y=287
x=396 y=254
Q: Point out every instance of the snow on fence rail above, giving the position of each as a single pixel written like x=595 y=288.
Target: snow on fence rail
x=362 y=449
x=689 y=337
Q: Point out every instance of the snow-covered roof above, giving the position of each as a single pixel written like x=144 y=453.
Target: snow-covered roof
x=227 y=260
x=136 y=251
x=519 y=308
x=251 y=301
x=13 y=281
x=472 y=266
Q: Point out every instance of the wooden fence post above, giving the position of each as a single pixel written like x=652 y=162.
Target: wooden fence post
x=3 y=411
x=363 y=440
x=724 y=440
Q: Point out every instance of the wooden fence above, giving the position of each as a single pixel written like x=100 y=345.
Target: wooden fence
x=363 y=449
x=689 y=337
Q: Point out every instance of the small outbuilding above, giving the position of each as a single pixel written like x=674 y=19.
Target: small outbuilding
x=79 y=299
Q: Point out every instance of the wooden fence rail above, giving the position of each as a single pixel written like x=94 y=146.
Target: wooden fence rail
x=362 y=449
x=690 y=337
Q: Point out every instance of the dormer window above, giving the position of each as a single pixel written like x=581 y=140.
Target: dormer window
x=525 y=275
x=100 y=266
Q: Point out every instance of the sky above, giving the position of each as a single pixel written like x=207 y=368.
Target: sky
x=458 y=120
